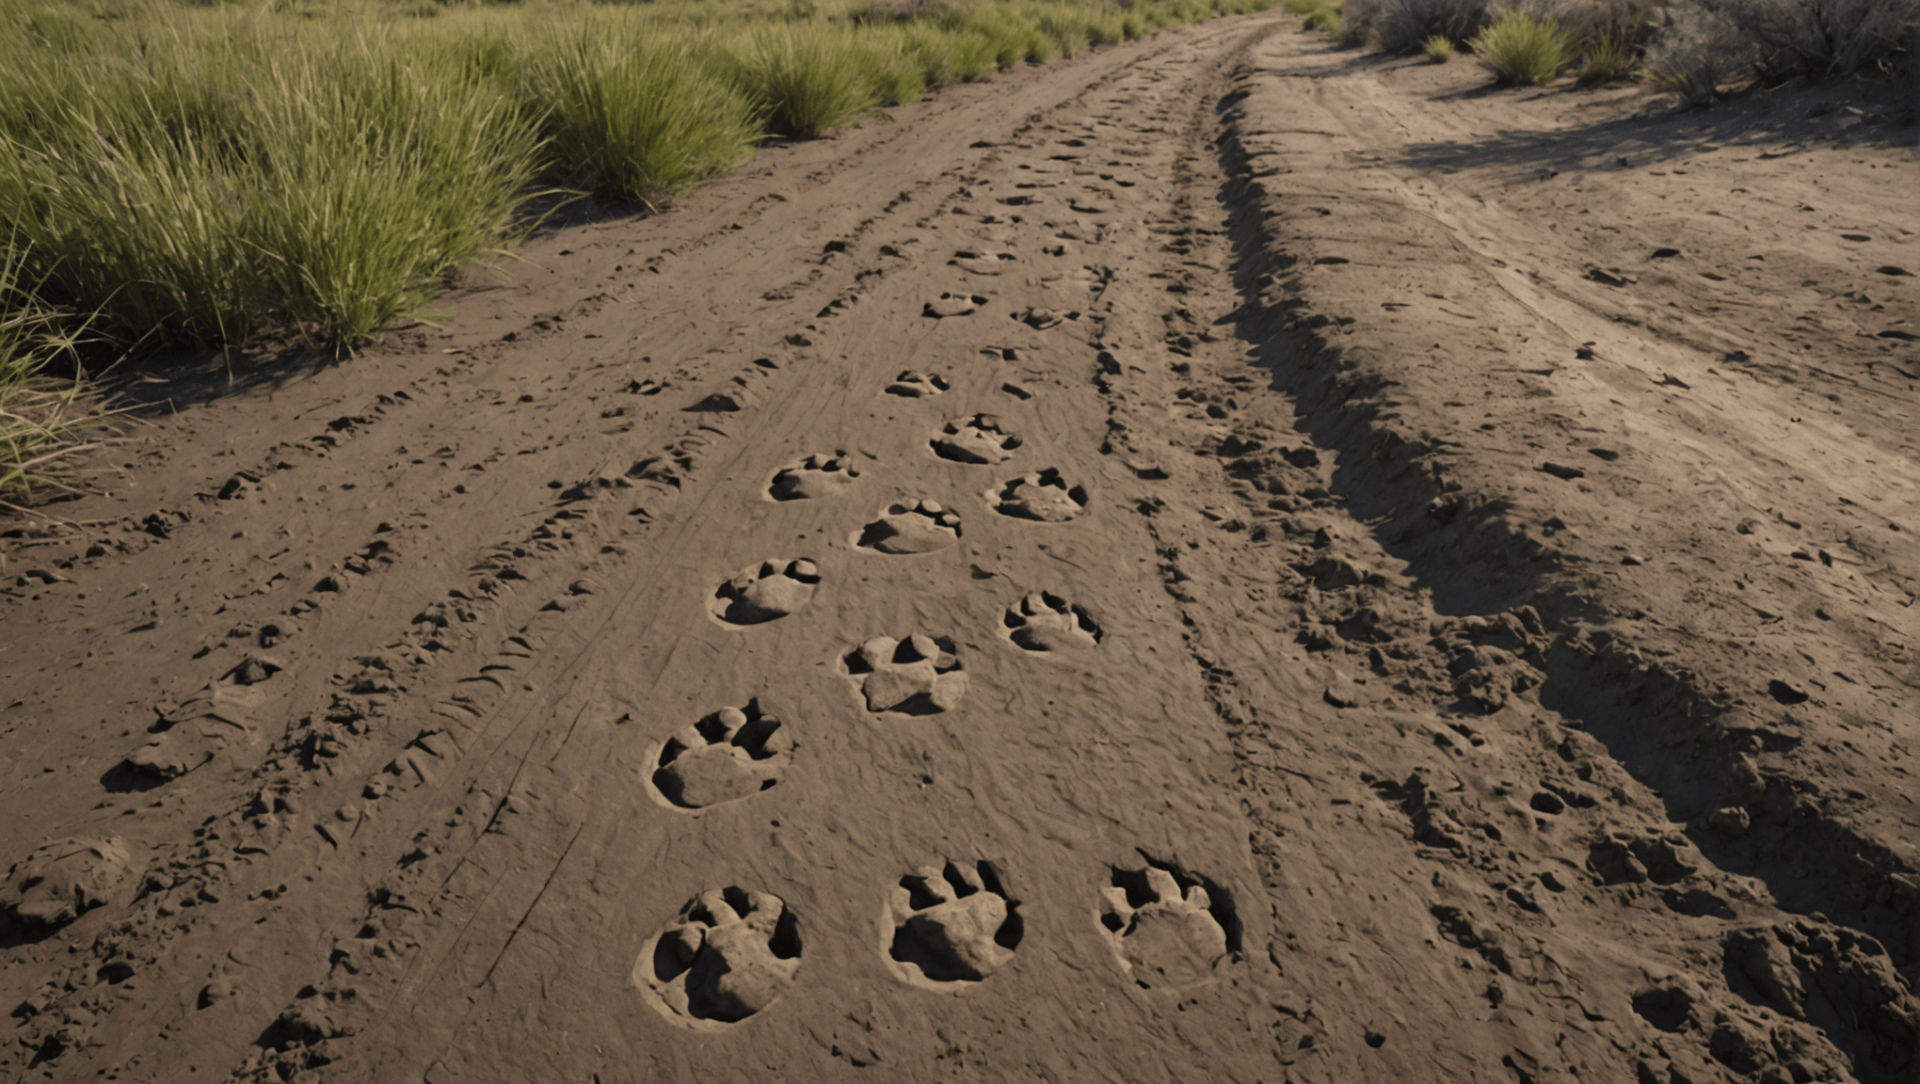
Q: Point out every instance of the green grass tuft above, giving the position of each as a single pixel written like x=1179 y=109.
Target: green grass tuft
x=1523 y=50
x=41 y=422
x=1609 y=59
x=1439 y=48
x=807 y=78
x=1327 y=17
x=641 y=117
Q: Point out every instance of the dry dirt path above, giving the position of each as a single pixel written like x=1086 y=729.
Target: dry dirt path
x=886 y=618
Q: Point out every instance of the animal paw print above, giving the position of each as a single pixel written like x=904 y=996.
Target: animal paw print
x=1165 y=926
x=60 y=881
x=912 y=385
x=764 y=592
x=1046 y=622
x=978 y=439
x=982 y=263
x=910 y=527
x=1044 y=497
x=952 y=924
x=731 y=955
x=731 y=754
x=814 y=478
x=953 y=305
x=919 y=675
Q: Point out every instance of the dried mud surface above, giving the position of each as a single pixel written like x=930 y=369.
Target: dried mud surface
x=1219 y=559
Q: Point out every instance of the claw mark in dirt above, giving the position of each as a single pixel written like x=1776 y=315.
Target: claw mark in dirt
x=909 y=527
x=978 y=439
x=953 y=305
x=732 y=954
x=912 y=385
x=919 y=675
x=1167 y=928
x=1045 y=497
x=1046 y=622
x=814 y=478
x=952 y=925
x=731 y=754
x=982 y=263
x=60 y=881
x=764 y=592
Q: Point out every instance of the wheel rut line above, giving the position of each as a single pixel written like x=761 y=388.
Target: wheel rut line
x=1372 y=440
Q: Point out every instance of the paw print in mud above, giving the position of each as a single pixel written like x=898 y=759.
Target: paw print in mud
x=732 y=954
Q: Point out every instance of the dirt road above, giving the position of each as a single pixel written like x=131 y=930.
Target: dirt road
x=1000 y=594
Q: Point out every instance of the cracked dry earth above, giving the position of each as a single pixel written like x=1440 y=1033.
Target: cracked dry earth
x=1138 y=569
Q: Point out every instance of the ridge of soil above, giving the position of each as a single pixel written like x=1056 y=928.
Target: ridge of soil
x=1193 y=562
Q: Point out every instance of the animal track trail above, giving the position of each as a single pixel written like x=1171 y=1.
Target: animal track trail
x=733 y=954
x=764 y=592
x=1166 y=928
x=953 y=925
x=731 y=754
x=920 y=675
x=1046 y=623
x=910 y=527
x=814 y=478
x=1045 y=497
x=914 y=385
x=978 y=440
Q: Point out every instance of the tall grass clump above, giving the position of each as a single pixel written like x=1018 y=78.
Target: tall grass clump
x=805 y=77
x=1328 y=17
x=209 y=183
x=1607 y=59
x=1523 y=50
x=40 y=421
x=639 y=115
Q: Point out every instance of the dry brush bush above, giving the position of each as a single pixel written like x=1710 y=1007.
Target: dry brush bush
x=1406 y=25
x=1707 y=44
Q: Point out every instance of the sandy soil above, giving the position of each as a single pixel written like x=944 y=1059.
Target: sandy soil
x=1220 y=559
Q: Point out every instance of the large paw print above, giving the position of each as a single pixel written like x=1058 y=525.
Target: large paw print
x=912 y=385
x=982 y=263
x=978 y=439
x=911 y=527
x=1165 y=926
x=764 y=592
x=728 y=755
x=1046 y=622
x=953 y=924
x=63 y=880
x=919 y=675
x=1045 y=497
x=814 y=478
x=953 y=305
x=731 y=955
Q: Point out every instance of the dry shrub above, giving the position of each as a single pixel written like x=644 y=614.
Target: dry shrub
x=1710 y=43
x=1404 y=26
